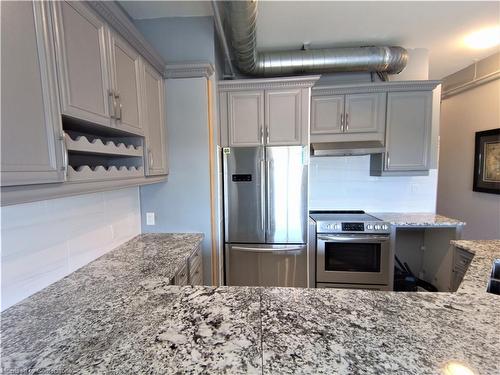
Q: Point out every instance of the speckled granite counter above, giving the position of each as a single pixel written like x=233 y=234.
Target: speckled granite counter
x=119 y=315
x=477 y=276
x=413 y=219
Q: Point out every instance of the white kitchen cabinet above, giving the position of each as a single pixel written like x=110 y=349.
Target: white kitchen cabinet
x=246 y=118
x=347 y=118
x=31 y=127
x=126 y=77
x=270 y=112
x=154 y=118
x=82 y=63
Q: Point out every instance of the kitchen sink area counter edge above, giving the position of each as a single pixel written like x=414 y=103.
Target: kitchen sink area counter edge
x=120 y=314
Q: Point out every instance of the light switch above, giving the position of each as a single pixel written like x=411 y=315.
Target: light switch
x=150 y=218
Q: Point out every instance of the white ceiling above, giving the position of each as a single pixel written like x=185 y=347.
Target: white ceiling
x=436 y=26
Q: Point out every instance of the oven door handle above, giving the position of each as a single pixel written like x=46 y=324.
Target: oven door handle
x=361 y=239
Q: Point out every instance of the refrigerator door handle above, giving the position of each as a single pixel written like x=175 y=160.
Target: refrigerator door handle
x=268 y=197
x=263 y=194
x=268 y=249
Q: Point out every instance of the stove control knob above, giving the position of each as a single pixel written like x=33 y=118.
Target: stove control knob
x=385 y=227
x=377 y=227
x=369 y=226
x=336 y=227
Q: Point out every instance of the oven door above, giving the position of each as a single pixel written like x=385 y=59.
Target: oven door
x=353 y=259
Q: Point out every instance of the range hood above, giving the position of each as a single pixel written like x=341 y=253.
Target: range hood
x=347 y=148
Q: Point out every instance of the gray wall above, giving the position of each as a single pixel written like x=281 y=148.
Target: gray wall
x=180 y=38
x=182 y=203
x=462 y=116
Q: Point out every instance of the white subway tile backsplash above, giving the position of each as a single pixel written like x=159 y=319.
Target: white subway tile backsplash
x=45 y=241
x=343 y=183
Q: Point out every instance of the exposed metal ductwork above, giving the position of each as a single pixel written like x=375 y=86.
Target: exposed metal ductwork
x=241 y=18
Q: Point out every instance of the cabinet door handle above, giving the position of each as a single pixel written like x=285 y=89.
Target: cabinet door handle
x=65 y=155
x=150 y=156
x=342 y=122
x=388 y=158
x=112 y=104
x=262 y=134
x=118 y=113
x=347 y=122
x=267 y=133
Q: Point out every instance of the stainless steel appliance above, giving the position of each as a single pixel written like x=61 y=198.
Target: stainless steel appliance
x=265 y=204
x=352 y=250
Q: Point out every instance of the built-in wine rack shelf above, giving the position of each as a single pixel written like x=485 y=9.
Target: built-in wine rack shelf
x=96 y=146
x=86 y=173
x=96 y=157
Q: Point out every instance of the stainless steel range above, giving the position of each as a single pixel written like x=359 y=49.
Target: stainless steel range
x=352 y=250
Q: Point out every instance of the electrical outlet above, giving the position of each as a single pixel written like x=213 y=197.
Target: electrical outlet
x=150 y=218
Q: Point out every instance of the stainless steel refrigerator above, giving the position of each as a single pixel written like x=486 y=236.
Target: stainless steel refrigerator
x=265 y=205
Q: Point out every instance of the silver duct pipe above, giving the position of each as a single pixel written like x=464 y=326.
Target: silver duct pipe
x=241 y=17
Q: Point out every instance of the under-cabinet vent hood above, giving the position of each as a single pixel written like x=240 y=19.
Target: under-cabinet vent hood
x=347 y=148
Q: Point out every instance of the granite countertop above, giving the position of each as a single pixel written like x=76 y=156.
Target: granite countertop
x=477 y=275
x=414 y=219
x=118 y=314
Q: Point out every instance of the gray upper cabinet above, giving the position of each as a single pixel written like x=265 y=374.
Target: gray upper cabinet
x=82 y=63
x=326 y=114
x=246 y=118
x=154 y=116
x=347 y=118
x=126 y=78
x=283 y=117
x=265 y=112
x=409 y=121
x=364 y=113
x=31 y=127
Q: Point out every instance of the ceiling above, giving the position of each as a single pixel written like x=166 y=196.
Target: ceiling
x=438 y=26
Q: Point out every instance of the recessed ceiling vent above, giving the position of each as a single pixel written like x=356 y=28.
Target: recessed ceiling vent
x=241 y=19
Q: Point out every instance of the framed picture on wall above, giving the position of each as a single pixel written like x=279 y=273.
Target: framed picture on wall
x=487 y=162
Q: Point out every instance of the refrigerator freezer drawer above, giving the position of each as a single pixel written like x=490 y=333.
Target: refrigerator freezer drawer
x=266 y=265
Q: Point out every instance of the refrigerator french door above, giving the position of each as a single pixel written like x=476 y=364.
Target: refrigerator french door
x=265 y=204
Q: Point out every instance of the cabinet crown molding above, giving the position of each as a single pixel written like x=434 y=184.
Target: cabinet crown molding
x=189 y=69
x=116 y=17
x=267 y=83
x=375 y=87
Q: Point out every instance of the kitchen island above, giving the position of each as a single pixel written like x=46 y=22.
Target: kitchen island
x=119 y=314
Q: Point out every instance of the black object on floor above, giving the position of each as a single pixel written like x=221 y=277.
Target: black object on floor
x=406 y=281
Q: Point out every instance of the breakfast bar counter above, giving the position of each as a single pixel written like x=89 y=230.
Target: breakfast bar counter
x=119 y=314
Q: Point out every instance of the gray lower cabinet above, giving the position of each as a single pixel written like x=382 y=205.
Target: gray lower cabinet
x=347 y=118
x=191 y=272
x=461 y=262
x=83 y=64
x=182 y=276
x=154 y=120
x=195 y=267
x=31 y=127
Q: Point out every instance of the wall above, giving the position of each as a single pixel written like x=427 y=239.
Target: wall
x=180 y=38
x=344 y=183
x=182 y=204
x=462 y=115
x=44 y=241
